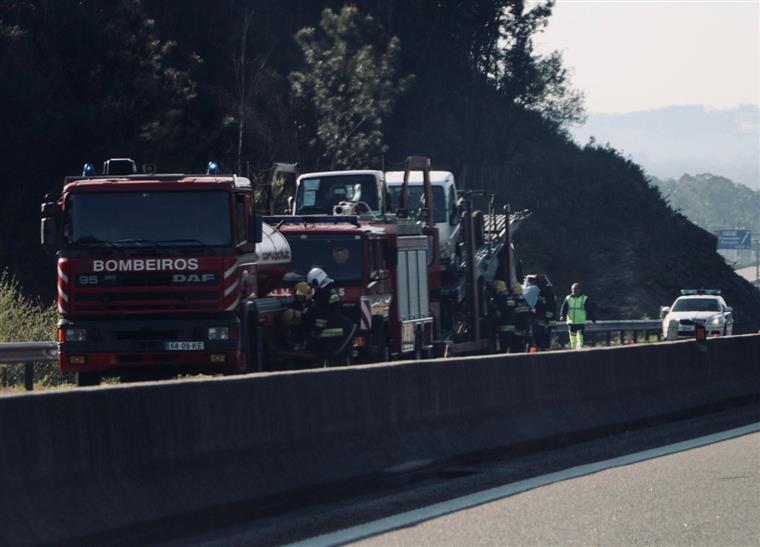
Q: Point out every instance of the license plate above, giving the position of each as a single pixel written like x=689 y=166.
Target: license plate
x=183 y=346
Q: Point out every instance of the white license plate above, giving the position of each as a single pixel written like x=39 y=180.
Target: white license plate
x=183 y=346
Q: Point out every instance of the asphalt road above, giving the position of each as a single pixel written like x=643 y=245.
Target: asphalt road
x=704 y=496
x=699 y=496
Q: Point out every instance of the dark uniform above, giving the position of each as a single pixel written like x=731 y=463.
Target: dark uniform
x=546 y=316
x=505 y=319
x=333 y=331
x=522 y=323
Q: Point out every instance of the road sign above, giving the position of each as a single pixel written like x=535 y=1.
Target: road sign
x=735 y=239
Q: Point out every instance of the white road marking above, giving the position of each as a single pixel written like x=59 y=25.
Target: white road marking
x=362 y=531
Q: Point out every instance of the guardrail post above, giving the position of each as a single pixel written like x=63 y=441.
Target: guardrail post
x=635 y=337
x=622 y=337
x=29 y=376
x=609 y=338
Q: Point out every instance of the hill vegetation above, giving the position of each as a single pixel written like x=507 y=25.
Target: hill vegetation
x=713 y=202
x=179 y=84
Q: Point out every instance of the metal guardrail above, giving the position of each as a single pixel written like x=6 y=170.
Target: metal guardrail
x=29 y=353
x=607 y=329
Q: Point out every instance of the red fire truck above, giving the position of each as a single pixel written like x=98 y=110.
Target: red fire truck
x=159 y=274
x=387 y=268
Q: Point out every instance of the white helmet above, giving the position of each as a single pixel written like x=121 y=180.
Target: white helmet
x=318 y=276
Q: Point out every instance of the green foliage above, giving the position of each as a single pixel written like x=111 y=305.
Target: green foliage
x=351 y=83
x=21 y=319
x=24 y=320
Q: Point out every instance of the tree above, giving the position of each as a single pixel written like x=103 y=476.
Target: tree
x=351 y=84
x=535 y=82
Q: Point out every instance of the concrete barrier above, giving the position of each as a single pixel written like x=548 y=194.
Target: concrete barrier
x=75 y=465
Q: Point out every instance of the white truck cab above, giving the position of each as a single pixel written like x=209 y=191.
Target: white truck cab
x=359 y=192
x=445 y=208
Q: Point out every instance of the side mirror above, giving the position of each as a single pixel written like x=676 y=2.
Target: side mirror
x=664 y=310
x=729 y=309
x=50 y=209
x=257 y=229
x=290 y=205
x=50 y=237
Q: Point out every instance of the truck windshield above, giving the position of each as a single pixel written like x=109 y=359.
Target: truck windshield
x=415 y=200
x=318 y=195
x=340 y=256
x=696 y=304
x=161 y=218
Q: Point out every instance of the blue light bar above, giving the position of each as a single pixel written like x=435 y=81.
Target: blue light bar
x=312 y=219
x=88 y=170
x=213 y=168
x=692 y=292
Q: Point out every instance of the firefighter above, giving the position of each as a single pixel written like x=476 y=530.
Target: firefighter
x=505 y=315
x=296 y=316
x=576 y=309
x=332 y=330
x=548 y=303
x=522 y=321
x=544 y=319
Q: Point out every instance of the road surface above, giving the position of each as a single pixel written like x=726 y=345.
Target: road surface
x=662 y=487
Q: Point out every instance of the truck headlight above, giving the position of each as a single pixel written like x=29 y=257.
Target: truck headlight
x=75 y=335
x=219 y=333
x=716 y=320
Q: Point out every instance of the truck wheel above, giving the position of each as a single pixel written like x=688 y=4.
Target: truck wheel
x=254 y=354
x=381 y=353
x=85 y=379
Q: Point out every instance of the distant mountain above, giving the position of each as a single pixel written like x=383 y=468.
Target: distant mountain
x=684 y=139
x=713 y=202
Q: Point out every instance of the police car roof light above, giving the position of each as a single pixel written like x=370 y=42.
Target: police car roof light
x=88 y=170
x=692 y=292
x=212 y=168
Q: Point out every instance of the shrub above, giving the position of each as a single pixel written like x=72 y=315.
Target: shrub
x=25 y=320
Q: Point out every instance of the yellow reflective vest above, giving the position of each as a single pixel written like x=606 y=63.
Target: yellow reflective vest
x=576 y=309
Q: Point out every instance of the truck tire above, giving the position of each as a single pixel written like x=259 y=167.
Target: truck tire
x=254 y=348
x=85 y=379
x=381 y=352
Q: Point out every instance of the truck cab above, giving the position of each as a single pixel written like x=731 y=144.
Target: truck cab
x=357 y=192
x=158 y=271
x=446 y=214
x=380 y=272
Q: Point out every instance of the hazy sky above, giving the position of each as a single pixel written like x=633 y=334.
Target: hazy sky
x=630 y=55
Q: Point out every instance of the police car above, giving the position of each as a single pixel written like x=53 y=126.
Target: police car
x=694 y=307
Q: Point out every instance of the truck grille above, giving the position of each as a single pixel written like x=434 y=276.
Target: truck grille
x=147 y=301
x=107 y=297
x=140 y=335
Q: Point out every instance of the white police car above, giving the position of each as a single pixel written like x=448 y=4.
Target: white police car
x=694 y=307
